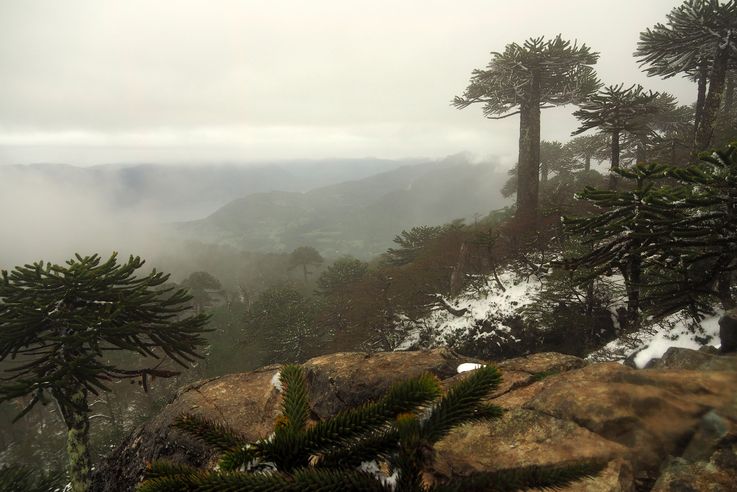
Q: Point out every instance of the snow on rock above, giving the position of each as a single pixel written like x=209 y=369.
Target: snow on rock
x=468 y=366
x=276 y=381
x=373 y=468
x=653 y=340
x=486 y=313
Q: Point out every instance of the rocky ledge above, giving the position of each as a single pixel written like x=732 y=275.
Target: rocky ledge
x=668 y=428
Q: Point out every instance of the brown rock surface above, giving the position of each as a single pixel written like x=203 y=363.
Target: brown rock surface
x=683 y=358
x=559 y=410
x=249 y=403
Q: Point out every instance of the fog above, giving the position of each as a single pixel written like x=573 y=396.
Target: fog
x=90 y=82
x=183 y=82
x=46 y=219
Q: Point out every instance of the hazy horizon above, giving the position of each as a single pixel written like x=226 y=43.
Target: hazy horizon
x=101 y=82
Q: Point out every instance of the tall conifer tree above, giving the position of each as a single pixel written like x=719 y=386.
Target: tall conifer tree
x=58 y=323
x=522 y=80
x=698 y=40
x=615 y=110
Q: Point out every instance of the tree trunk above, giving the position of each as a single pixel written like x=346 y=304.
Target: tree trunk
x=701 y=79
x=459 y=271
x=724 y=291
x=544 y=172
x=641 y=152
x=76 y=418
x=304 y=270
x=672 y=152
x=713 y=101
x=528 y=178
x=615 y=161
x=633 y=291
x=729 y=94
x=587 y=164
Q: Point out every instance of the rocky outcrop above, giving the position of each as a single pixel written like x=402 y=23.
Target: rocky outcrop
x=653 y=427
x=696 y=360
x=249 y=402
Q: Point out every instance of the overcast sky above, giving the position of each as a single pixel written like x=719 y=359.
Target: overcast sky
x=102 y=81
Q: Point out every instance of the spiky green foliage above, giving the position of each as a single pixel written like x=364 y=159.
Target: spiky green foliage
x=523 y=79
x=540 y=477
x=629 y=227
x=215 y=434
x=399 y=431
x=614 y=111
x=697 y=41
x=462 y=403
x=303 y=480
x=675 y=244
x=410 y=243
x=16 y=478
x=59 y=324
x=295 y=405
x=560 y=70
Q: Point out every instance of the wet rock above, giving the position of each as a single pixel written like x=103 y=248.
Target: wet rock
x=559 y=410
x=250 y=402
x=683 y=358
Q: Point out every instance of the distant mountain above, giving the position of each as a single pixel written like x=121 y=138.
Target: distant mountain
x=358 y=217
x=183 y=192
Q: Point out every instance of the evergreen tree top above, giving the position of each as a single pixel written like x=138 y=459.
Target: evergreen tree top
x=57 y=323
x=689 y=39
x=561 y=71
x=615 y=108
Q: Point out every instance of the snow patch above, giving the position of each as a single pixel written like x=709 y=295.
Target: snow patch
x=468 y=366
x=654 y=339
x=485 y=311
x=373 y=468
x=276 y=381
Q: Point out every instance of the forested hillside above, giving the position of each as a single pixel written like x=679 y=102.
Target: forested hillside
x=613 y=243
x=356 y=217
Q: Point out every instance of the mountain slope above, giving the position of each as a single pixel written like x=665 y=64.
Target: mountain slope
x=358 y=217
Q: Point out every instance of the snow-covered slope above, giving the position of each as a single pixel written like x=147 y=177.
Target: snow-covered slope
x=487 y=313
x=492 y=315
x=654 y=339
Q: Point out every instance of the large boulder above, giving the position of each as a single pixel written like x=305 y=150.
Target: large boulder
x=634 y=419
x=250 y=402
x=700 y=360
x=559 y=410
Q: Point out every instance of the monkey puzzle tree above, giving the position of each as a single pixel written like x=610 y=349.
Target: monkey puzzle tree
x=626 y=231
x=522 y=80
x=553 y=158
x=670 y=131
x=58 y=323
x=615 y=110
x=700 y=41
x=586 y=147
x=305 y=256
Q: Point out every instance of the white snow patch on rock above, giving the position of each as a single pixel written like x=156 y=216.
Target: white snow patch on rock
x=468 y=366
x=276 y=381
x=653 y=340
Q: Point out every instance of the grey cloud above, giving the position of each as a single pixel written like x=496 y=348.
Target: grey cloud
x=170 y=79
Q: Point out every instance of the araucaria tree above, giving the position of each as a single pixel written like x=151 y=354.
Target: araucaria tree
x=58 y=323
x=522 y=80
x=305 y=256
x=699 y=41
x=615 y=110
